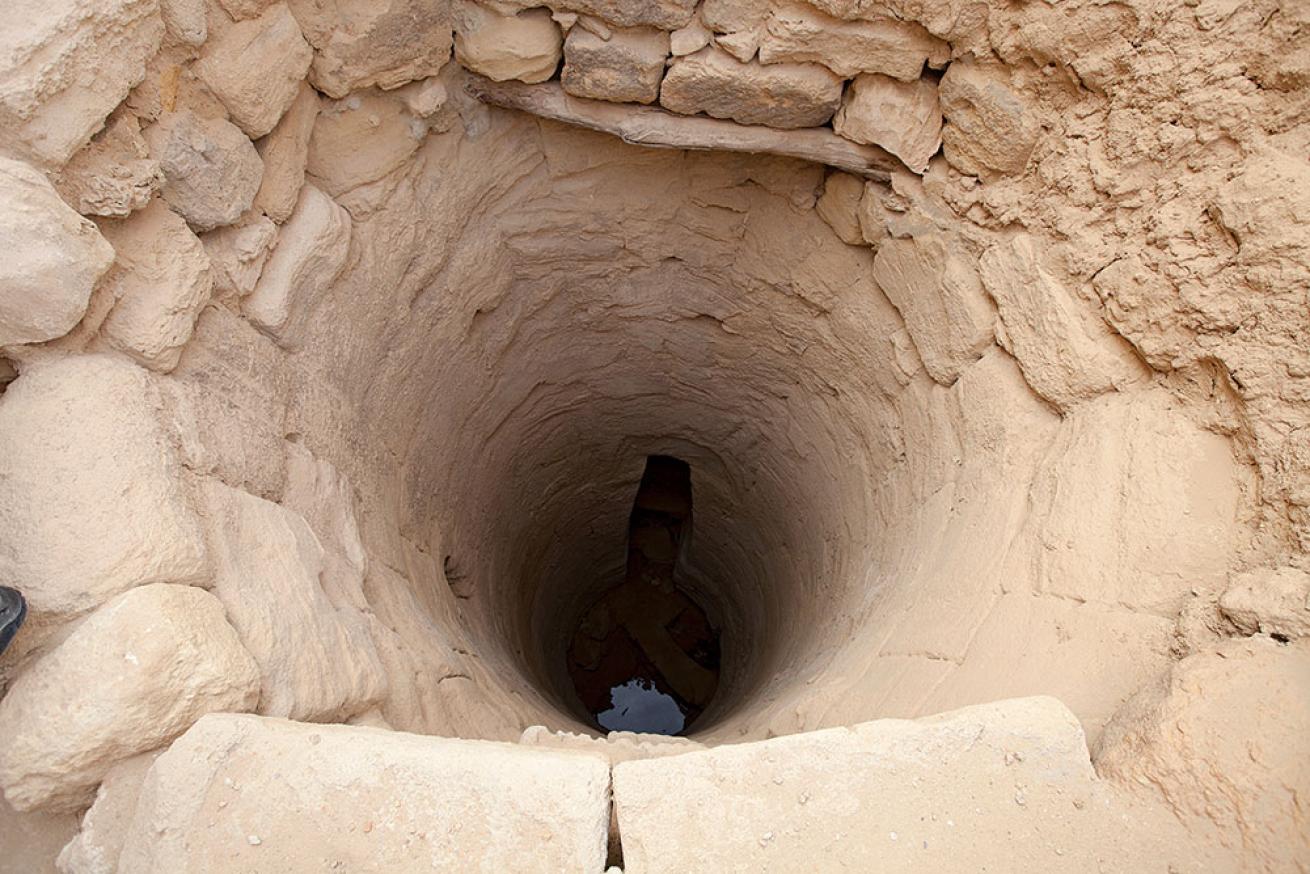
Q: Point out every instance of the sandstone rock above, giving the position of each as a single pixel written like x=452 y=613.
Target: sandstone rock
x=311 y=253
x=1270 y=601
x=936 y=288
x=212 y=170
x=161 y=280
x=1176 y=742
x=799 y=32
x=690 y=39
x=989 y=129
x=256 y=68
x=114 y=175
x=64 y=67
x=316 y=662
x=525 y=46
x=779 y=95
x=97 y=846
x=304 y=797
x=1034 y=306
x=1005 y=786
x=237 y=254
x=132 y=676
x=184 y=21
x=839 y=206
x=53 y=258
x=284 y=153
x=626 y=69
x=904 y=118
x=362 y=43
x=89 y=493
x=32 y=840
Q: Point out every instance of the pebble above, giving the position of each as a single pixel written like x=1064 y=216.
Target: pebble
x=254 y=840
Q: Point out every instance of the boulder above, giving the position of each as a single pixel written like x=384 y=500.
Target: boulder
x=133 y=676
x=114 y=175
x=284 y=153
x=989 y=128
x=902 y=117
x=310 y=254
x=161 y=280
x=935 y=286
x=316 y=662
x=1177 y=742
x=997 y=787
x=90 y=496
x=525 y=46
x=1035 y=306
x=64 y=66
x=211 y=170
x=251 y=794
x=363 y=43
x=778 y=95
x=796 y=32
x=255 y=69
x=626 y=68
x=53 y=258
x=99 y=842
x=237 y=254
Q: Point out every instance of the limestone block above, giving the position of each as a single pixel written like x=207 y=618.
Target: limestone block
x=902 y=117
x=114 y=175
x=360 y=140
x=53 y=258
x=211 y=169
x=131 y=677
x=733 y=16
x=161 y=280
x=989 y=129
x=687 y=40
x=310 y=254
x=237 y=254
x=798 y=32
x=524 y=46
x=65 y=66
x=1004 y=786
x=839 y=206
x=185 y=21
x=265 y=795
x=32 y=840
x=1222 y=740
x=383 y=43
x=241 y=10
x=742 y=45
x=90 y=500
x=625 y=69
x=97 y=846
x=778 y=95
x=316 y=662
x=936 y=288
x=1270 y=601
x=663 y=14
x=1035 y=306
x=284 y=153
x=255 y=68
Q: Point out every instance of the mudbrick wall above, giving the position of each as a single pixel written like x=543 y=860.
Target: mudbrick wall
x=334 y=337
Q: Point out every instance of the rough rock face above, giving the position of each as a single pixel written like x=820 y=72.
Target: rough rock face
x=82 y=449
x=777 y=95
x=266 y=795
x=211 y=170
x=1169 y=742
x=525 y=46
x=798 y=32
x=160 y=281
x=284 y=153
x=237 y=254
x=903 y=118
x=255 y=68
x=989 y=128
x=54 y=258
x=114 y=175
x=131 y=677
x=64 y=67
x=627 y=67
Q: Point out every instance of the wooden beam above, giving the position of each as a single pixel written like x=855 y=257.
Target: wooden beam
x=648 y=126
